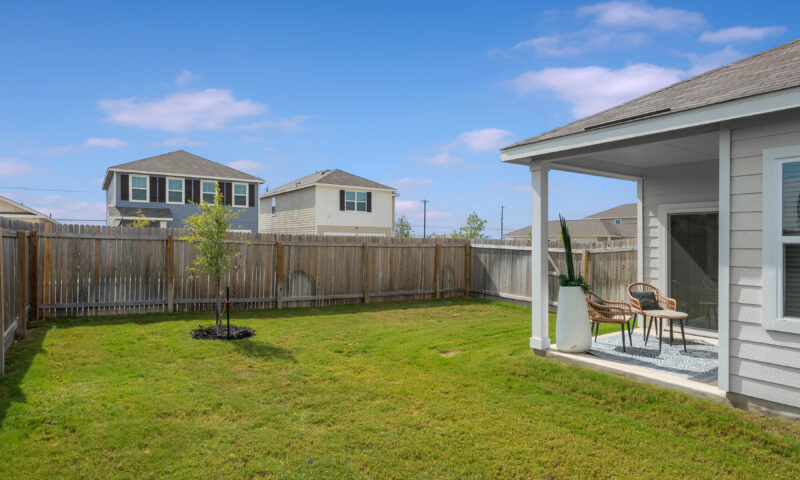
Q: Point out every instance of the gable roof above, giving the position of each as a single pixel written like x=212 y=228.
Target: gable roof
x=627 y=210
x=184 y=164
x=328 y=177
x=10 y=208
x=768 y=71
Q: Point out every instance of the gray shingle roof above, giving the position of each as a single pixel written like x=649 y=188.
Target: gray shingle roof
x=328 y=177
x=768 y=71
x=627 y=210
x=185 y=164
x=160 y=213
x=597 y=225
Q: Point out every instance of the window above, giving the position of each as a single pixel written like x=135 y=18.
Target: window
x=209 y=191
x=138 y=188
x=790 y=237
x=239 y=195
x=355 y=201
x=274 y=208
x=174 y=190
x=617 y=221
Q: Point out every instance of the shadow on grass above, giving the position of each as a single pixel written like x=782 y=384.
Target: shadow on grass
x=19 y=359
x=260 y=350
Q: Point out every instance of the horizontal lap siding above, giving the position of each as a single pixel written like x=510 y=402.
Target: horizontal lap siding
x=295 y=213
x=763 y=364
x=687 y=183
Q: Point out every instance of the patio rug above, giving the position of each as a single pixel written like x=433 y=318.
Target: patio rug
x=700 y=363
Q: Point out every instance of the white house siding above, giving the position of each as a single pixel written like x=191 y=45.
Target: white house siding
x=294 y=213
x=331 y=220
x=684 y=183
x=763 y=363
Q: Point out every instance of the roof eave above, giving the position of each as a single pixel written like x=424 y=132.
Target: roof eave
x=708 y=115
x=183 y=175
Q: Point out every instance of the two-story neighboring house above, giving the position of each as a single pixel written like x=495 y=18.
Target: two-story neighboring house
x=330 y=202
x=167 y=188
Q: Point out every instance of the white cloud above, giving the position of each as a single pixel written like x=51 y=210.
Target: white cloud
x=522 y=188
x=14 y=167
x=179 y=141
x=741 y=34
x=60 y=208
x=443 y=159
x=269 y=148
x=641 y=15
x=408 y=182
x=104 y=142
x=593 y=89
x=247 y=139
x=58 y=150
x=208 y=109
x=579 y=42
x=481 y=140
x=414 y=209
x=704 y=63
x=289 y=125
x=245 y=165
x=549 y=46
x=184 y=78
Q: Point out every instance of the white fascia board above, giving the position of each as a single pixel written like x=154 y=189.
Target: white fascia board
x=346 y=187
x=721 y=112
x=184 y=175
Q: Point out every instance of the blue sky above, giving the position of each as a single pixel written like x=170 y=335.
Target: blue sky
x=418 y=95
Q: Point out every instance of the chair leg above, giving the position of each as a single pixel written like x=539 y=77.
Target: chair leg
x=630 y=336
x=647 y=324
x=623 y=337
x=683 y=335
x=635 y=318
x=660 y=327
x=596 y=330
x=670 y=331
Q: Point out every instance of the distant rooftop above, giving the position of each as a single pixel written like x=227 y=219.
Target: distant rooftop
x=328 y=177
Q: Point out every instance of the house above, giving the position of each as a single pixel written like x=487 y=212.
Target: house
x=329 y=202
x=616 y=223
x=17 y=211
x=716 y=160
x=167 y=188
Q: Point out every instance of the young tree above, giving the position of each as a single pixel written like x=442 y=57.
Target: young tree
x=402 y=227
x=207 y=233
x=473 y=229
x=141 y=221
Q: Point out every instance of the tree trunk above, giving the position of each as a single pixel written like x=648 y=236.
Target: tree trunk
x=217 y=303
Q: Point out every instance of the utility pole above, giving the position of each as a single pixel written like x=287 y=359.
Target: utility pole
x=425 y=218
x=501 y=221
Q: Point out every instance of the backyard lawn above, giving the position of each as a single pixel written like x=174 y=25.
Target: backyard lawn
x=434 y=389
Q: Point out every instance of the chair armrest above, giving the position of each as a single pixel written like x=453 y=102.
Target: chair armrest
x=667 y=303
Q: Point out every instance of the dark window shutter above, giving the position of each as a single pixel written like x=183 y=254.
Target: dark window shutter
x=123 y=186
x=153 y=189
x=341 y=200
x=162 y=189
x=369 y=201
x=227 y=188
x=187 y=190
x=196 y=191
x=251 y=190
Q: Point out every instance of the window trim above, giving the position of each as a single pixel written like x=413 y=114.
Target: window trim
x=146 y=188
x=245 y=195
x=773 y=240
x=274 y=206
x=183 y=190
x=355 y=201
x=202 y=190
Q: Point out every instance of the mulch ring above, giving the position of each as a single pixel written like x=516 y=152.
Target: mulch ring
x=221 y=333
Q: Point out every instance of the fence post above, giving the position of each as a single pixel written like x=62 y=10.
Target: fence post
x=366 y=271
x=170 y=274
x=48 y=227
x=585 y=264
x=279 y=274
x=2 y=312
x=21 y=284
x=437 y=271
x=467 y=268
x=33 y=268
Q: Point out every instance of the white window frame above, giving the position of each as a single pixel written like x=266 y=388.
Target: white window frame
x=202 y=190
x=355 y=201
x=274 y=206
x=233 y=195
x=146 y=189
x=773 y=239
x=183 y=190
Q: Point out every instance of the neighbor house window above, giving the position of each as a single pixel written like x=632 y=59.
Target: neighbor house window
x=617 y=221
x=174 y=190
x=355 y=201
x=239 y=195
x=789 y=249
x=138 y=188
x=209 y=191
x=274 y=208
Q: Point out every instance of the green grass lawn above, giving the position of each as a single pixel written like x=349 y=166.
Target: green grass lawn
x=436 y=389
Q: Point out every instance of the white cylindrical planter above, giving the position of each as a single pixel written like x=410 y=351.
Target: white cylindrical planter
x=573 y=333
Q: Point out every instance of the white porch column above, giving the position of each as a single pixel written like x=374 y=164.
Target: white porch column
x=640 y=229
x=723 y=278
x=539 y=263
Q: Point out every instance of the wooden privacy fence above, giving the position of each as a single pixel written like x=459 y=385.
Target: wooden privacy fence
x=79 y=270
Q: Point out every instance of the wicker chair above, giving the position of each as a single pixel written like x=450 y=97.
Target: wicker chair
x=606 y=311
x=664 y=303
